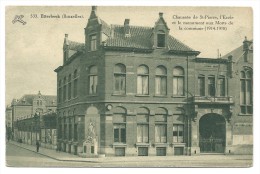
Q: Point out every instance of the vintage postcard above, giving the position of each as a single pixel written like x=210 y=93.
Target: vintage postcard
x=137 y=86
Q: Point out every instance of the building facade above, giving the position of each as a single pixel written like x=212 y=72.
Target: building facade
x=29 y=105
x=138 y=91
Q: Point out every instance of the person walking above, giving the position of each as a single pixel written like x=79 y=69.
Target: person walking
x=37 y=145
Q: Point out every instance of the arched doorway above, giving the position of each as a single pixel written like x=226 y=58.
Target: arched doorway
x=212 y=130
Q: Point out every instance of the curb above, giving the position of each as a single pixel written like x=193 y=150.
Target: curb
x=67 y=160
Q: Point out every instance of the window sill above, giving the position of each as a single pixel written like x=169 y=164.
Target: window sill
x=240 y=114
x=161 y=144
x=142 y=144
x=119 y=145
x=142 y=95
x=176 y=144
x=92 y=95
x=178 y=96
x=161 y=96
x=118 y=94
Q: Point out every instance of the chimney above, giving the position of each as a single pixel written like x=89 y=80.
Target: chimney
x=94 y=8
x=127 y=28
x=160 y=14
x=66 y=40
x=245 y=44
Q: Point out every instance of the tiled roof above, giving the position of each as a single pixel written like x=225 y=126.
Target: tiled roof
x=27 y=99
x=105 y=27
x=140 y=38
x=76 y=46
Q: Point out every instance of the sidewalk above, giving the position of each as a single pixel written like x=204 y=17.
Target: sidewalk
x=62 y=156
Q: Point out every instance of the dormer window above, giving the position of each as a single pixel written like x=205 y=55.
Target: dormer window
x=161 y=39
x=93 y=42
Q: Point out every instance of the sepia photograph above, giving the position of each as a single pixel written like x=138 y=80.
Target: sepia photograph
x=129 y=86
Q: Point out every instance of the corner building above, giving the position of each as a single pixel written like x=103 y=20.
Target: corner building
x=138 y=91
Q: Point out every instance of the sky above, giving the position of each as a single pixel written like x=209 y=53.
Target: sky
x=34 y=50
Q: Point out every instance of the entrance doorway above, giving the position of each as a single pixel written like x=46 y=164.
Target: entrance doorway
x=212 y=129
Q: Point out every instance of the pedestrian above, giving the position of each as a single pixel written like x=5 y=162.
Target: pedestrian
x=37 y=145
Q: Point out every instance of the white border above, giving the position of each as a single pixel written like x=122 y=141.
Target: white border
x=255 y=4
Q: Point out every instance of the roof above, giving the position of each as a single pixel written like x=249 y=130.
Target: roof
x=27 y=99
x=76 y=46
x=237 y=53
x=140 y=38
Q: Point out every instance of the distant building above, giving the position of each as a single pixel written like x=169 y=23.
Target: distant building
x=41 y=127
x=138 y=91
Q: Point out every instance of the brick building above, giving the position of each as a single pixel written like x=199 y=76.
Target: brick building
x=29 y=104
x=131 y=90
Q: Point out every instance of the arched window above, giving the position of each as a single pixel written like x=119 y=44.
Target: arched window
x=160 y=80
x=143 y=80
x=69 y=87
x=246 y=90
x=119 y=79
x=178 y=81
x=64 y=89
x=161 y=125
x=119 y=124
x=142 y=118
x=93 y=79
x=75 y=83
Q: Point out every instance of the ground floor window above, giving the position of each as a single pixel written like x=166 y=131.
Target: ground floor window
x=142 y=133
x=119 y=151
x=161 y=151
x=178 y=133
x=160 y=133
x=119 y=133
x=142 y=151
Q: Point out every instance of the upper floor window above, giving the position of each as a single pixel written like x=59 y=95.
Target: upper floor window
x=93 y=80
x=93 y=42
x=142 y=80
x=64 y=89
x=221 y=86
x=211 y=86
x=246 y=90
x=60 y=91
x=161 y=39
x=160 y=80
x=119 y=78
x=75 y=85
x=69 y=87
x=201 y=85
x=178 y=81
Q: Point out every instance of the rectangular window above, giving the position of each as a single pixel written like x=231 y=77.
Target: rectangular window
x=142 y=84
x=64 y=92
x=160 y=133
x=70 y=131
x=201 y=85
x=93 y=43
x=93 y=81
x=160 y=40
x=211 y=86
x=142 y=133
x=178 y=150
x=120 y=83
x=65 y=133
x=177 y=133
x=160 y=85
x=119 y=133
x=142 y=151
x=221 y=86
x=119 y=151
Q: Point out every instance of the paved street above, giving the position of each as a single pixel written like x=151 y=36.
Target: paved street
x=21 y=157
